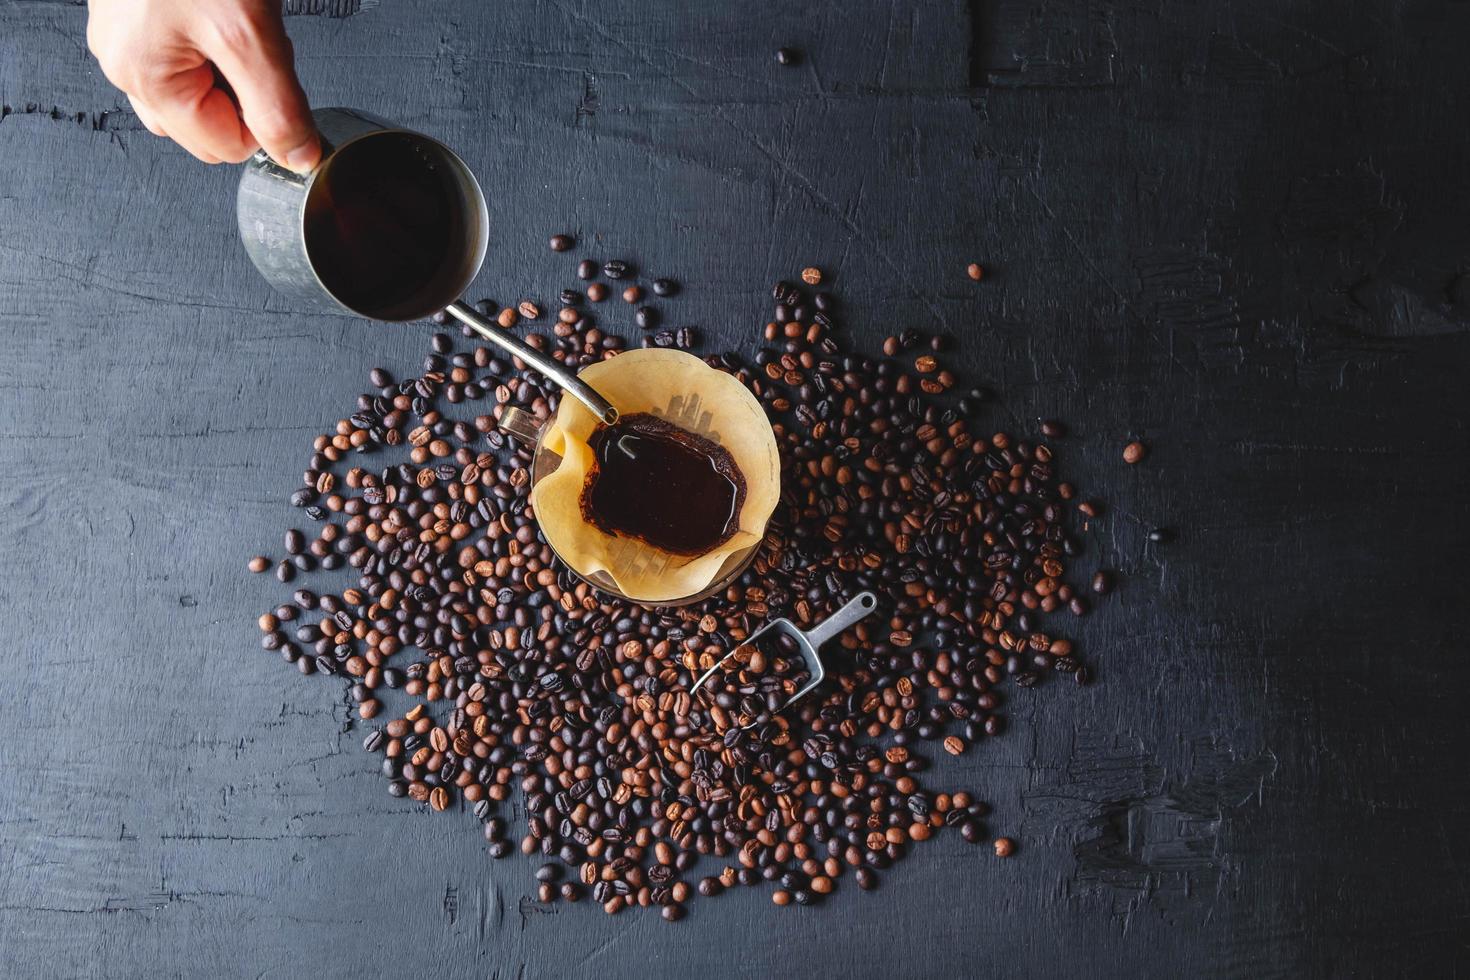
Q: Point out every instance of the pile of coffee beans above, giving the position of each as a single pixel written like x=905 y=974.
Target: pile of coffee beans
x=508 y=675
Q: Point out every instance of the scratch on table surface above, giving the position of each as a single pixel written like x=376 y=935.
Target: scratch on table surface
x=489 y=908
x=529 y=907
x=589 y=101
x=602 y=947
x=111 y=120
x=246 y=838
x=450 y=903
x=1151 y=833
x=327 y=8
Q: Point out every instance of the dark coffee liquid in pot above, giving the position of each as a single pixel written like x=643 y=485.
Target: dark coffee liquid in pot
x=381 y=225
x=665 y=486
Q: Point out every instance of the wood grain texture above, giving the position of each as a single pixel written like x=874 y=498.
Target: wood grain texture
x=1236 y=230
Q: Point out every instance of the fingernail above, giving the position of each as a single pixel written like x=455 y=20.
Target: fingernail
x=303 y=158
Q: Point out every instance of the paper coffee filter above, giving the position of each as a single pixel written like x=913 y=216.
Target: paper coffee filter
x=684 y=391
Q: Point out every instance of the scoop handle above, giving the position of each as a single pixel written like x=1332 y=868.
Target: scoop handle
x=856 y=609
x=566 y=380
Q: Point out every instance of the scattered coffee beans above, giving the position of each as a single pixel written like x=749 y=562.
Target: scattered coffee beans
x=506 y=674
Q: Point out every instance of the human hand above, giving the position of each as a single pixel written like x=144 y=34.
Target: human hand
x=164 y=53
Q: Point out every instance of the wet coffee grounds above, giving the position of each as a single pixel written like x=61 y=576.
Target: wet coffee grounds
x=501 y=674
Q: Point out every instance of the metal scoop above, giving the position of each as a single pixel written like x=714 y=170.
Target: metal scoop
x=806 y=644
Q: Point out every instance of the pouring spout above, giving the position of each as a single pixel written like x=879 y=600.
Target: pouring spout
x=564 y=379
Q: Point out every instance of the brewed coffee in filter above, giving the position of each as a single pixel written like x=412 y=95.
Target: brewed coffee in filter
x=706 y=445
x=663 y=485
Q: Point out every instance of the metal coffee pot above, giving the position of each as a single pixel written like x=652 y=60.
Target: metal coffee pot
x=272 y=207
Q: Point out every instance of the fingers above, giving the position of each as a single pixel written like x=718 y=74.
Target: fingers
x=255 y=57
x=147 y=117
x=198 y=116
x=160 y=54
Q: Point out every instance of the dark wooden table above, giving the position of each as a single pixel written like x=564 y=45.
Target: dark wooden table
x=1240 y=231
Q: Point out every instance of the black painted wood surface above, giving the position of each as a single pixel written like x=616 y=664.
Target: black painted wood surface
x=1237 y=230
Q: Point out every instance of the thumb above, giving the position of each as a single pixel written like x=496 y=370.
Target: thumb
x=256 y=59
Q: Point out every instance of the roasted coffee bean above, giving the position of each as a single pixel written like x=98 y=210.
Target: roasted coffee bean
x=562 y=242
x=1134 y=452
x=586 y=269
x=616 y=269
x=787 y=56
x=665 y=287
x=259 y=563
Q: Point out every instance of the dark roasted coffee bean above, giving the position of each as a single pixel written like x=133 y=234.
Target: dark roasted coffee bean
x=562 y=242
x=616 y=269
x=586 y=269
x=665 y=287
x=788 y=56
